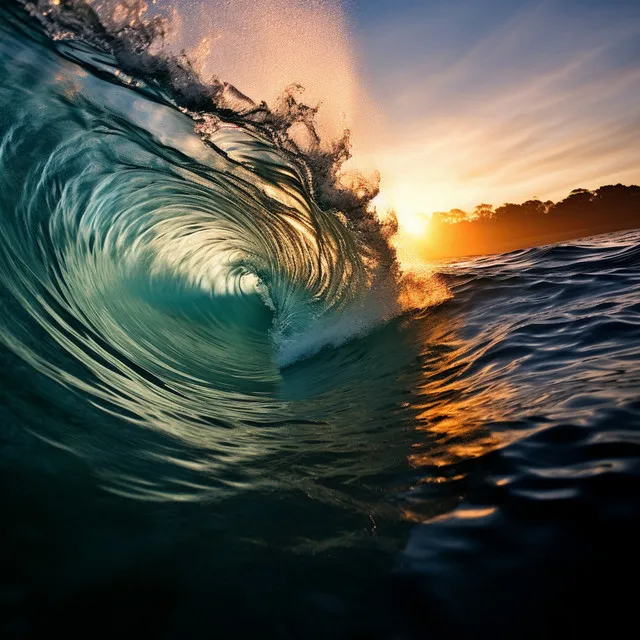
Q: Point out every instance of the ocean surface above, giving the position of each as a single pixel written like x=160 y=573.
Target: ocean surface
x=218 y=417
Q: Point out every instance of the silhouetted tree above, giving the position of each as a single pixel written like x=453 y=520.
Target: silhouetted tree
x=512 y=226
x=450 y=217
x=484 y=211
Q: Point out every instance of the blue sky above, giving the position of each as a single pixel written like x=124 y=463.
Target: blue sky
x=494 y=101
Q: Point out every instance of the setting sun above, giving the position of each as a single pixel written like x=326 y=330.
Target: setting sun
x=411 y=221
x=415 y=224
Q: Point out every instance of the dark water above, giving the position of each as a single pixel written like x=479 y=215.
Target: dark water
x=217 y=422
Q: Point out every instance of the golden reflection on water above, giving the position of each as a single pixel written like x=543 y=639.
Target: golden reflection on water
x=456 y=410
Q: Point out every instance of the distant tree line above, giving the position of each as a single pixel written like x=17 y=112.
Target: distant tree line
x=534 y=222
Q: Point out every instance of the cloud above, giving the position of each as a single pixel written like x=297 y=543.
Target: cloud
x=533 y=102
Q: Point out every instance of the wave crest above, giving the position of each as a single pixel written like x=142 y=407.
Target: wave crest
x=171 y=237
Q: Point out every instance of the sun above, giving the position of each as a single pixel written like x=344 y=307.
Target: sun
x=414 y=224
x=409 y=209
x=411 y=221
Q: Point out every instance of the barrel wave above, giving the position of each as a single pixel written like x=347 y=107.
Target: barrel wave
x=176 y=266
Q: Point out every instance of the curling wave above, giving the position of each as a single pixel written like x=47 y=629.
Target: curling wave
x=166 y=260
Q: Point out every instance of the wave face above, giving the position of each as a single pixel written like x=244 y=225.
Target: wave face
x=169 y=267
x=213 y=403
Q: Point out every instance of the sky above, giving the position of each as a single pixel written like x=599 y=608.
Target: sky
x=454 y=102
x=492 y=101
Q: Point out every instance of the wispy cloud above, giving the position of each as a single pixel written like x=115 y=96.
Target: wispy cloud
x=535 y=102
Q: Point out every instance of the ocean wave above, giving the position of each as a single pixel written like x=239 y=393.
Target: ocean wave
x=167 y=248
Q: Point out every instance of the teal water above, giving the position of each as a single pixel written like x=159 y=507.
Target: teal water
x=217 y=419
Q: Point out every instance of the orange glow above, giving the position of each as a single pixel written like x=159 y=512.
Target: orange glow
x=453 y=412
x=420 y=287
x=413 y=224
x=413 y=228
